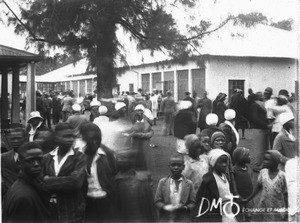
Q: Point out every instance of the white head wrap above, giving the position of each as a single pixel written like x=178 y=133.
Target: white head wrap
x=140 y=107
x=211 y=119
x=76 y=107
x=229 y=114
x=102 y=110
x=214 y=155
x=119 y=105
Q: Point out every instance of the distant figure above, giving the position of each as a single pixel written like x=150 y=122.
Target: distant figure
x=67 y=103
x=77 y=119
x=35 y=124
x=168 y=108
x=205 y=104
x=220 y=108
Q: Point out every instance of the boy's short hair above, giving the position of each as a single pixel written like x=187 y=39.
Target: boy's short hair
x=176 y=156
x=27 y=146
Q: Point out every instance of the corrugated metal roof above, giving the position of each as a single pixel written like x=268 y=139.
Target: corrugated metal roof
x=9 y=51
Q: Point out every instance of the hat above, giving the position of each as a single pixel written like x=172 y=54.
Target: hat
x=119 y=105
x=169 y=92
x=95 y=103
x=214 y=155
x=215 y=135
x=229 y=114
x=76 y=107
x=35 y=114
x=185 y=104
x=284 y=92
x=285 y=117
x=187 y=93
x=211 y=119
x=222 y=96
x=139 y=107
x=268 y=90
x=102 y=109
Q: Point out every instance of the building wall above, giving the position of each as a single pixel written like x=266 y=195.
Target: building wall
x=128 y=78
x=258 y=73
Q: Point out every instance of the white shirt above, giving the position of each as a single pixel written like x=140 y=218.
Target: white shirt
x=58 y=165
x=33 y=130
x=94 y=188
x=174 y=193
x=16 y=156
x=291 y=181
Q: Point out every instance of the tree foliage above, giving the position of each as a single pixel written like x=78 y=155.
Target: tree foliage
x=284 y=24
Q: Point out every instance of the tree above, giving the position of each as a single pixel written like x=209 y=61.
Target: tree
x=284 y=24
x=88 y=27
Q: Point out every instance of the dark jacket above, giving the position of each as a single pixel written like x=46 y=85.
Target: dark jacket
x=68 y=186
x=206 y=107
x=184 y=123
x=258 y=116
x=9 y=171
x=230 y=138
x=106 y=169
x=187 y=198
x=209 y=190
x=133 y=197
x=25 y=202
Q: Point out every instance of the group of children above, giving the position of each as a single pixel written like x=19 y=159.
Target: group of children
x=209 y=185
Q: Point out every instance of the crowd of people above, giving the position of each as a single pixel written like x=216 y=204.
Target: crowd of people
x=87 y=160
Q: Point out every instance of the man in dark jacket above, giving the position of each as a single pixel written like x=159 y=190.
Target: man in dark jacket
x=206 y=107
x=101 y=168
x=10 y=160
x=65 y=174
x=25 y=201
x=185 y=123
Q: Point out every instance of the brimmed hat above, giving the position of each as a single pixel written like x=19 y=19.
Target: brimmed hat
x=268 y=90
x=102 y=110
x=229 y=114
x=139 y=107
x=76 y=107
x=119 y=105
x=35 y=114
x=222 y=96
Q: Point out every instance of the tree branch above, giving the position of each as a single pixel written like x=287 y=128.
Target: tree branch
x=35 y=38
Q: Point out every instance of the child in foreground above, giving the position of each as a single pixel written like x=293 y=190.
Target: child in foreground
x=175 y=198
x=271 y=183
x=243 y=175
x=215 y=186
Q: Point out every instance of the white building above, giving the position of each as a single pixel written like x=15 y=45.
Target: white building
x=233 y=57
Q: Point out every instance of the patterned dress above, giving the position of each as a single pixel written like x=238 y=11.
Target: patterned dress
x=271 y=205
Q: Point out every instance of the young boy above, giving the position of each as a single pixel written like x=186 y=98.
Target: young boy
x=175 y=198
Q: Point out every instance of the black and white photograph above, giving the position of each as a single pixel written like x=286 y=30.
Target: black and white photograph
x=149 y=111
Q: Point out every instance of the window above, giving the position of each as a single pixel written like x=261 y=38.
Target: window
x=234 y=84
x=131 y=88
x=145 y=82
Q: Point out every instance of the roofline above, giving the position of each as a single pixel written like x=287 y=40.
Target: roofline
x=22 y=51
x=205 y=56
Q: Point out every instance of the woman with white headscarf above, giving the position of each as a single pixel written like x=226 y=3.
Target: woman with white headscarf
x=216 y=186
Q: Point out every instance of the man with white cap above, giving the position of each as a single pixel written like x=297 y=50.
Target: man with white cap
x=102 y=121
x=285 y=141
x=35 y=124
x=77 y=119
x=95 y=104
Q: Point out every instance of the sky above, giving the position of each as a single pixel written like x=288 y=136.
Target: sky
x=213 y=10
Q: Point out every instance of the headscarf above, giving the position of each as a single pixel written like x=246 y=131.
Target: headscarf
x=239 y=153
x=215 y=135
x=214 y=155
x=211 y=119
x=275 y=156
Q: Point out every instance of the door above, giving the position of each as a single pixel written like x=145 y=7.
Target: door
x=198 y=80
x=182 y=83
